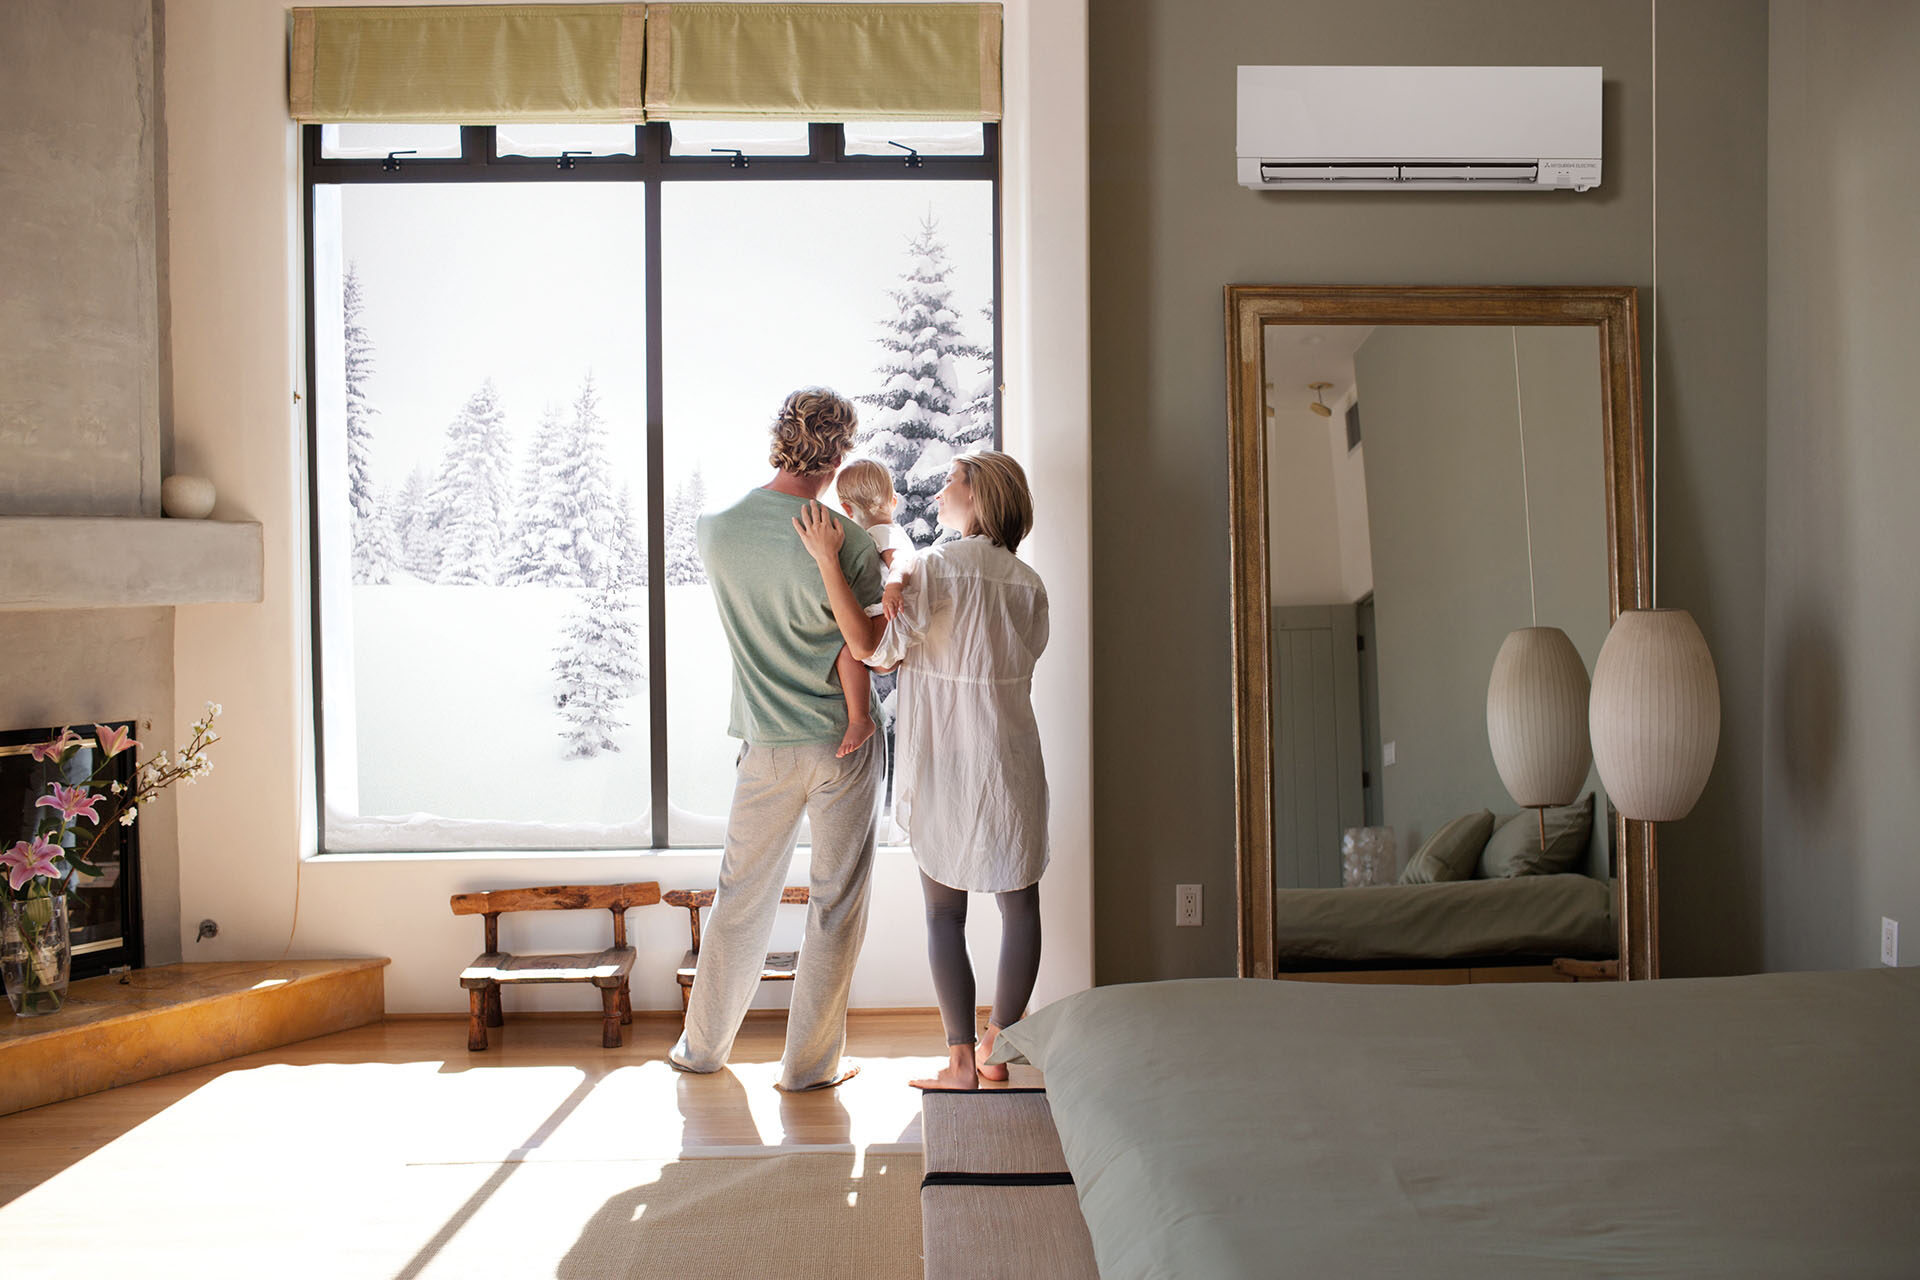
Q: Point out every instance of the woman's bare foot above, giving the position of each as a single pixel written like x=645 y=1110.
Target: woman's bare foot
x=961 y=1072
x=858 y=731
x=989 y=1071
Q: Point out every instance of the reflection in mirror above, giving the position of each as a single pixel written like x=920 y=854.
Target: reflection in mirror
x=1431 y=489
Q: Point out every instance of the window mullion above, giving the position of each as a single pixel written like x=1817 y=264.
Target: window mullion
x=656 y=516
x=476 y=144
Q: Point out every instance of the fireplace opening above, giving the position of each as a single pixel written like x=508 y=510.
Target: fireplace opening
x=103 y=911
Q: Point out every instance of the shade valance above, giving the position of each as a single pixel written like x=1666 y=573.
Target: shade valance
x=823 y=62
x=468 y=64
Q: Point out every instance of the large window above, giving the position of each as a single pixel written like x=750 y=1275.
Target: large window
x=530 y=372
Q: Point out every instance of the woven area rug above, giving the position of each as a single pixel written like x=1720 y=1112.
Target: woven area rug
x=835 y=1214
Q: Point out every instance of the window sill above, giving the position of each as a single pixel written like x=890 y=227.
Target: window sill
x=541 y=855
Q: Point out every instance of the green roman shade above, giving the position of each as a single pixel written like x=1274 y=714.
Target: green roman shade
x=823 y=62
x=468 y=64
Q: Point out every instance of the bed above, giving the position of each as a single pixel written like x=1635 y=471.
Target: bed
x=1537 y=916
x=1752 y=1127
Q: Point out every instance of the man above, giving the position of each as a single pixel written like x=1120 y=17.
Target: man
x=790 y=714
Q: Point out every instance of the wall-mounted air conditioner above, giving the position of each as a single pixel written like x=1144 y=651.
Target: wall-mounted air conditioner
x=1419 y=128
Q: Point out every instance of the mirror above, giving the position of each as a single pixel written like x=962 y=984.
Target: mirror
x=1417 y=474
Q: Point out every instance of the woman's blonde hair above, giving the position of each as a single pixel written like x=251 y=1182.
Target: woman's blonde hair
x=1002 y=503
x=867 y=487
x=813 y=431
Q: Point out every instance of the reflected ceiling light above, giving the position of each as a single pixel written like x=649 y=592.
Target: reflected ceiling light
x=1319 y=405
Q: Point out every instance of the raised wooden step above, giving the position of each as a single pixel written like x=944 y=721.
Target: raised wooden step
x=125 y=1027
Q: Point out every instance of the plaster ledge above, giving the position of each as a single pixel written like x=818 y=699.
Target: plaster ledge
x=104 y=562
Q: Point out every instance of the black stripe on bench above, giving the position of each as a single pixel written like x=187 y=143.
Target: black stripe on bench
x=977 y=1093
x=951 y=1179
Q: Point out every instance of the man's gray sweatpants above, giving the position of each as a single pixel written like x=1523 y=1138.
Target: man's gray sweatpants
x=773 y=787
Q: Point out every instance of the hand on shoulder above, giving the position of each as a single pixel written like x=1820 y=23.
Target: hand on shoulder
x=819 y=532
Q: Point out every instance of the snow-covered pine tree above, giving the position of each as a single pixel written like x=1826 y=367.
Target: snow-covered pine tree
x=599 y=665
x=982 y=415
x=470 y=498
x=630 y=546
x=683 y=546
x=383 y=534
x=568 y=521
x=922 y=416
x=372 y=553
x=536 y=553
x=416 y=548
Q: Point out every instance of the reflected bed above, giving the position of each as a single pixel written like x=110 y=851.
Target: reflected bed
x=1518 y=916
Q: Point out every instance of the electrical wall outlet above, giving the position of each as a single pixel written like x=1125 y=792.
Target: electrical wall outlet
x=1889 y=941
x=1186 y=904
x=1386 y=754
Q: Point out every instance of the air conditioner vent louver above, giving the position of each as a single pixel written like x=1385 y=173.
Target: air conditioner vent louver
x=1419 y=128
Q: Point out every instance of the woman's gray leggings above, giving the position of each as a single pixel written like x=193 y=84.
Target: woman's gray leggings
x=953 y=971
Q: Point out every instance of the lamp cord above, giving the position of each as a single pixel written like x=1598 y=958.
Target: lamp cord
x=1653 y=462
x=1526 y=495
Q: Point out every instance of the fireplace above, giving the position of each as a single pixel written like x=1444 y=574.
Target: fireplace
x=103 y=911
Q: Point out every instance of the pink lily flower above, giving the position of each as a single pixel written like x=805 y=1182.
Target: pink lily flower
x=72 y=802
x=54 y=750
x=112 y=740
x=26 y=861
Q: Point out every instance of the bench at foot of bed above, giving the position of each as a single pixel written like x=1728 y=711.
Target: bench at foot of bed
x=998 y=1199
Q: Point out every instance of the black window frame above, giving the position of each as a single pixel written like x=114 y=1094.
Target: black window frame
x=653 y=164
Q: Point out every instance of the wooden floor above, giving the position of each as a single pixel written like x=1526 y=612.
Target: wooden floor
x=406 y=1090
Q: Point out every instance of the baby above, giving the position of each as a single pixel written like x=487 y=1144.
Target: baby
x=865 y=489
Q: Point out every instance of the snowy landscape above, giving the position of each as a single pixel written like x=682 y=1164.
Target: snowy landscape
x=482 y=450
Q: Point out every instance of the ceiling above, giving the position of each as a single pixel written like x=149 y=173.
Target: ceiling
x=1299 y=354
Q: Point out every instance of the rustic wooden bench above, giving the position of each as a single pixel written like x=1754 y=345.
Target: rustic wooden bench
x=780 y=965
x=608 y=970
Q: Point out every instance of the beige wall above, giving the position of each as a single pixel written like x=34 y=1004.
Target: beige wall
x=1842 y=843
x=1171 y=228
x=80 y=365
x=1303 y=517
x=1449 y=522
x=1350 y=508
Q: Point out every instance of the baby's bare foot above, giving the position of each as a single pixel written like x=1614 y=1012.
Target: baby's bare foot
x=858 y=731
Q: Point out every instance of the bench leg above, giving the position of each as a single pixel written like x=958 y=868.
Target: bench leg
x=626 y=1004
x=495 y=1017
x=686 y=999
x=609 y=1017
x=477 y=1019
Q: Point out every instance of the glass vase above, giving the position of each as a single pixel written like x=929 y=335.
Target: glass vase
x=35 y=952
x=1367 y=857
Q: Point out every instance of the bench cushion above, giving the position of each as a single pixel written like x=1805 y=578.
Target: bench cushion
x=973 y=1230
x=607 y=968
x=994 y=1131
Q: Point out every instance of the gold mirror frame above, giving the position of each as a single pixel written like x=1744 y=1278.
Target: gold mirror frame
x=1613 y=312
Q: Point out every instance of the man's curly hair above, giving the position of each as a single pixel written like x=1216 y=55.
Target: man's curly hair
x=813 y=431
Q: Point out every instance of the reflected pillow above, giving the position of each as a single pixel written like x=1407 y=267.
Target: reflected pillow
x=1451 y=852
x=1515 y=848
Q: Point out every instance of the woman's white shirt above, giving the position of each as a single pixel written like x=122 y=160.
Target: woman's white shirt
x=969 y=784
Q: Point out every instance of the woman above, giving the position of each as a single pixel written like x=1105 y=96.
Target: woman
x=969 y=785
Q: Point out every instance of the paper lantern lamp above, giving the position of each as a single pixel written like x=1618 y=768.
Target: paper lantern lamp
x=1537 y=717
x=1655 y=714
